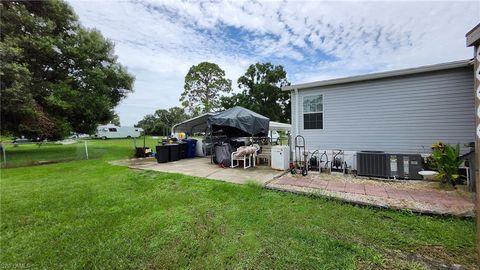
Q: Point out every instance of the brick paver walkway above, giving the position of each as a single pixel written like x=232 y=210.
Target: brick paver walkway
x=425 y=201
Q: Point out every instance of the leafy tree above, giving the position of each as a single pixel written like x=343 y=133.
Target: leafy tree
x=161 y=122
x=115 y=120
x=151 y=125
x=262 y=93
x=56 y=76
x=203 y=85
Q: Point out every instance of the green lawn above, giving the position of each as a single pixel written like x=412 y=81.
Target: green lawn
x=29 y=154
x=89 y=214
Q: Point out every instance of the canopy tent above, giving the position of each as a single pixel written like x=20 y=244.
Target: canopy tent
x=239 y=122
x=199 y=124
x=192 y=125
x=280 y=126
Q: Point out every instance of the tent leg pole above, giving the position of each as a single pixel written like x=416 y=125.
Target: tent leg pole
x=211 y=146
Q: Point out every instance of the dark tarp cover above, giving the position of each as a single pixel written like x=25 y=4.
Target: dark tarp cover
x=239 y=122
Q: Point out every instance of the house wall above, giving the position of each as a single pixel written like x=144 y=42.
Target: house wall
x=399 y=114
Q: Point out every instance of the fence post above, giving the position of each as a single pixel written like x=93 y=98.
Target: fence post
x=86 y=149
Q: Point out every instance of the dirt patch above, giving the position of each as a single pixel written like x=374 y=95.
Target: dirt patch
x=438 y=256
x=38 y=163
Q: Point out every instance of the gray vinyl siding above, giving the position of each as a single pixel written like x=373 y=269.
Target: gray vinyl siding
x=398 y=114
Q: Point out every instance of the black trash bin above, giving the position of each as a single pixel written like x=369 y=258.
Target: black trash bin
x=162 y=153
x=183 y=150
x=174 y=152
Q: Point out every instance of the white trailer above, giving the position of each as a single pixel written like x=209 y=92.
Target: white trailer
x=114 y=132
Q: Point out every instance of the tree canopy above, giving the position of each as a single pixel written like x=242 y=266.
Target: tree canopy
x=115 y=120
x=203 y=85
x=261 y=92
x=56 y=76
x=161 y=122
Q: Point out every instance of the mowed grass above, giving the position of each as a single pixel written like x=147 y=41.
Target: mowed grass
x=31 y=154
x=89 y=214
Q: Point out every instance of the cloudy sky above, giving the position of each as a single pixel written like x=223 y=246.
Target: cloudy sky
x=158 y=41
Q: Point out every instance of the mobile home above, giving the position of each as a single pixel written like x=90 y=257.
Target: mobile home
x=113 y=132
x=402 y=111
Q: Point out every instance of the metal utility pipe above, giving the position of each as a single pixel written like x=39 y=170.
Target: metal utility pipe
x=86 y=149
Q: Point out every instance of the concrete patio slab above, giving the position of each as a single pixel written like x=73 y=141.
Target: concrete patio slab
x=201 y=167
x=417 y=196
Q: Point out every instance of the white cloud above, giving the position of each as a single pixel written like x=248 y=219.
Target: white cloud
x=160 y=40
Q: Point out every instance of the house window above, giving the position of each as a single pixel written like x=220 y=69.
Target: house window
x=313 y=112
x=112 y=129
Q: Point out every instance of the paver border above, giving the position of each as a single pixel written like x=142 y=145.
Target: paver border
x=337 y=196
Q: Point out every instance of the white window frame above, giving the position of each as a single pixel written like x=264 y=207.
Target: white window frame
x=322 y=111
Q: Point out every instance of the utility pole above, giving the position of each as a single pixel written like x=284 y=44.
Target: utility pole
x=473 y=39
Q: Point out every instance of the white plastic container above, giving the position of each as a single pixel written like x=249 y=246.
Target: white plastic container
x=280 y=158
x=199 y=148
x=428 y=175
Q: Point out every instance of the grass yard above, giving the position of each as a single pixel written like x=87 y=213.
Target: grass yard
x=89 y=214
x=30 y=154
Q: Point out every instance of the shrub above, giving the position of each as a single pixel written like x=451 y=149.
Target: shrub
x=446 y=161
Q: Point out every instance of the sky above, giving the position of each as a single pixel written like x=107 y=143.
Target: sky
x=158 y=41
